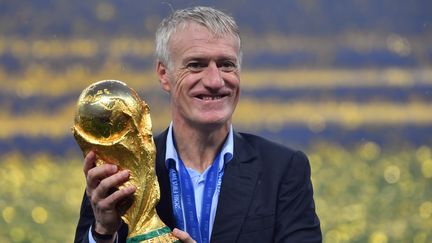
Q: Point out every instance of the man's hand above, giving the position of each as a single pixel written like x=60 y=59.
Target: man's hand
x=102 y=182
x=183 y=236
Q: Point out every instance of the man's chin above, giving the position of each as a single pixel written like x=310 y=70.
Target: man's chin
x=213 y=123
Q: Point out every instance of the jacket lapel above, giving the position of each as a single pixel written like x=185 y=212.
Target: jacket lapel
x=164 y=207
x=238 y=186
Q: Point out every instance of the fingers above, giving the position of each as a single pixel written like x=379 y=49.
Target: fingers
x=183 y=236
x=106 y=185
x=110 y=202
x=96 y=174
x=89 y=162
x=103 y=180
x=106 y=200
x=107 y=215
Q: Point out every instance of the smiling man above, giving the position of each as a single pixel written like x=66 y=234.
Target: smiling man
x=217 y=185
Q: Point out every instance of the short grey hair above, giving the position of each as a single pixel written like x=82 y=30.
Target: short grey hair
x=217 y=22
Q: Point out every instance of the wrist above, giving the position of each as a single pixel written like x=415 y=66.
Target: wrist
x=101 y=235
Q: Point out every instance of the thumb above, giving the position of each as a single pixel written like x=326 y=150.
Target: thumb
x=183 y=236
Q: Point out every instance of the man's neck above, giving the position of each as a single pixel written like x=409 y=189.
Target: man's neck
x=199 y=147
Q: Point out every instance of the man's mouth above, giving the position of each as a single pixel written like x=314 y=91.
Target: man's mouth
x=211 y=97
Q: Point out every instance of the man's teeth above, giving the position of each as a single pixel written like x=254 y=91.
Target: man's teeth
x=211 y=97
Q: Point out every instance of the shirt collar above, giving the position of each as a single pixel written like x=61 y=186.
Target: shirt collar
x=226 y=152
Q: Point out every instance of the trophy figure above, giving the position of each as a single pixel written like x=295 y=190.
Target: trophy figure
x=114 y=122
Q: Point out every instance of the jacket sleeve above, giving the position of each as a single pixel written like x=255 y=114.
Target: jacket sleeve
x=296 y=219
x=86 y=219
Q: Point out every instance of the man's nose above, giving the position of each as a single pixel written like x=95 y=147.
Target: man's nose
x=212 y=77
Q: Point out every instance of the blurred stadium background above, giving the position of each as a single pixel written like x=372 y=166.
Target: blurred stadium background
x=349 y=82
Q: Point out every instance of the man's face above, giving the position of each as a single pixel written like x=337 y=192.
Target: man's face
x=204 y=77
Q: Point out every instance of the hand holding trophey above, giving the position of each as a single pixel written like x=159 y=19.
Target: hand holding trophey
x=105 y=202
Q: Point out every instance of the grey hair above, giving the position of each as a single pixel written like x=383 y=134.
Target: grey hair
x=217 y=22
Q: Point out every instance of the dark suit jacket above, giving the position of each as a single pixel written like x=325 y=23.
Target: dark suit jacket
x=266 y=196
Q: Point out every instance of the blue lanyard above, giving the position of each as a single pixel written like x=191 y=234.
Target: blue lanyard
x=182 y=189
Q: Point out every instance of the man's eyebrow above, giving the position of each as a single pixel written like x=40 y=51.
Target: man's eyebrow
x=199 y=59
x=221 y=58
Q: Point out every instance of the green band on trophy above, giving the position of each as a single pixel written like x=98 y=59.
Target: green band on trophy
x=150 y=235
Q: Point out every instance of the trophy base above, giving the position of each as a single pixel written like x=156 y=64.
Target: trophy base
x=159 y=235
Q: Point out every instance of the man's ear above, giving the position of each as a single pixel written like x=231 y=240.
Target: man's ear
x=162 y=73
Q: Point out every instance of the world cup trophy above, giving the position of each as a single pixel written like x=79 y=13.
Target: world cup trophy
x=113 y=121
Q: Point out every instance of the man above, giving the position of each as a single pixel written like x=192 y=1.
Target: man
x=243 y=187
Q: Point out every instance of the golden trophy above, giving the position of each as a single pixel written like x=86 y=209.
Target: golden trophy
x=113 y=121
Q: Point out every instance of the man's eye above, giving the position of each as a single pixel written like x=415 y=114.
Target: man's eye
x=195 y=66
x=228 y=66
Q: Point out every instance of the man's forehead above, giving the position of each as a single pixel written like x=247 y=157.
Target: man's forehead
x=193 y=40
x=186 y=28
x=204 y=49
